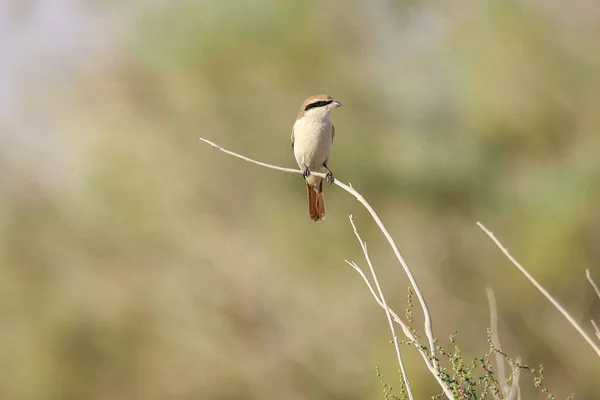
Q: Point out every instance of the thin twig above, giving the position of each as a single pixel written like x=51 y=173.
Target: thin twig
x=596 y=330
x=515 y=389
x=428 y=325
x=496 y=339
x=588 y=275
x=363 y=245
x=405 y=329
x=509 y=392
x=542 y=290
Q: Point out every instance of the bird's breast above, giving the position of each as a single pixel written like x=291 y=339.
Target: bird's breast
x=312 y=143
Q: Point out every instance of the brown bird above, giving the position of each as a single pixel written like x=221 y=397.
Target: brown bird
x=312 y=139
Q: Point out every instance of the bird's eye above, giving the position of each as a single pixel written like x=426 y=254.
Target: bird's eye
x=319 y=103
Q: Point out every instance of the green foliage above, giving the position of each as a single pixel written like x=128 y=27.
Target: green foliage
x=469 y=380
x=475 y=379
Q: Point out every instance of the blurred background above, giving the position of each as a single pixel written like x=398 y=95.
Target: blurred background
x=138 y=263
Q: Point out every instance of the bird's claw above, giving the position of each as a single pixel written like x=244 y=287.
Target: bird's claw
x=306 y=173
x=329 y=177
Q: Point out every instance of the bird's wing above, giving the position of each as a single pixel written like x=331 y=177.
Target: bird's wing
x=292 y=138
x=332 y=132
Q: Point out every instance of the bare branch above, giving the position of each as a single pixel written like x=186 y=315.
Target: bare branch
x=405 y=329
x=588 y=275
x=596 y=330
x=262 y=164
x=428 y=325
x=542 y=290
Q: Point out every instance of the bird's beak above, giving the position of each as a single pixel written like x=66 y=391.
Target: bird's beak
x=336 y=104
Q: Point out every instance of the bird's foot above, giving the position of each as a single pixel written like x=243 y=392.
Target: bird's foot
x=306 y=173
x=329 y=177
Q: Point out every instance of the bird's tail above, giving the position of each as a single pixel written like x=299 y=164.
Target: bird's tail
x=316 y=201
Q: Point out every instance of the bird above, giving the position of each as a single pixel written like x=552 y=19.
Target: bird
x=312 y=140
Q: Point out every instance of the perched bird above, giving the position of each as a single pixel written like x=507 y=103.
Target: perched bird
x=312 y=139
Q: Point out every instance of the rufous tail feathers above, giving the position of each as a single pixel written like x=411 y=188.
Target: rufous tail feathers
x=316 y=202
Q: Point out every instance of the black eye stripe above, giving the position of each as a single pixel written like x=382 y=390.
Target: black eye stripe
x=320 y=103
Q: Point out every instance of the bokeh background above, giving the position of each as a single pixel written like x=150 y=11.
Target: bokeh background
x=138 y=263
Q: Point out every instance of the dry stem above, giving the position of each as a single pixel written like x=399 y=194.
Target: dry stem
x=509 y=392
x=588 y=275
x=542 y=290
